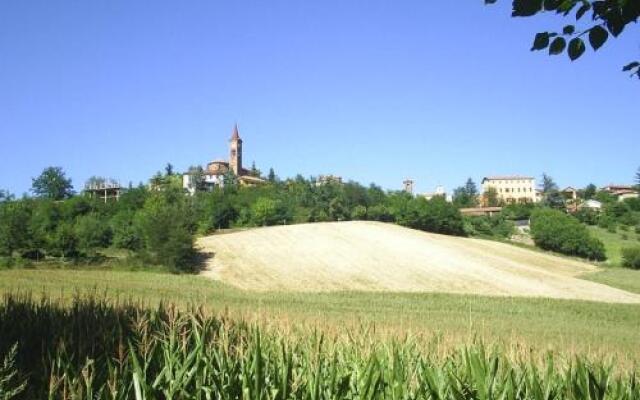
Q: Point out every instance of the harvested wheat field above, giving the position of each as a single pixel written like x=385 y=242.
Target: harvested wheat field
x=373 y=256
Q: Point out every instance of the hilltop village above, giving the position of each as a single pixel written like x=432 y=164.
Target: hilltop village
x=157 y=221
x=496 y=190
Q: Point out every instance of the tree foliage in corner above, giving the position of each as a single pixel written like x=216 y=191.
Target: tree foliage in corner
x=608 y=17
x=52 y=184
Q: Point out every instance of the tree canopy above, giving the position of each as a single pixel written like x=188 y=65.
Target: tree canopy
x=5 y=195
x=467 y=195
x=552 y=196
x=608 y=18
x=52 y=184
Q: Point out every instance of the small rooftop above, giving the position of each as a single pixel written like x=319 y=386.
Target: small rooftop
x=505 y=178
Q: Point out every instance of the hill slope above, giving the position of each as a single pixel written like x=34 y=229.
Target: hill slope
x=373 y=256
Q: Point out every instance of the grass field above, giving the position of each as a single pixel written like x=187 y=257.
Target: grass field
x=591 y=328
x=614 y=242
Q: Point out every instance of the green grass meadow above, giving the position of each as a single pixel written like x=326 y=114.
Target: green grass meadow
x=615 y=242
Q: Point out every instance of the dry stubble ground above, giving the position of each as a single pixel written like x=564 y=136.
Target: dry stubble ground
x=373 y=256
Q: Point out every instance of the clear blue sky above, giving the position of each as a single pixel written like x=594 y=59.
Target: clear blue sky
x=375 y=91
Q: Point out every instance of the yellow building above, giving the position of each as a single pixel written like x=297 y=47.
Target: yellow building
x=512 y=189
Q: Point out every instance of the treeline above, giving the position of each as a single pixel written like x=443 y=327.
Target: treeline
x=154 y=228
x=157 y=226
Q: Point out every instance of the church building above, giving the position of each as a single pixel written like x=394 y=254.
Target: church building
x=213 y=175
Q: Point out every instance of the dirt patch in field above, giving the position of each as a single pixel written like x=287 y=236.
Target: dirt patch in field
x=372 y=256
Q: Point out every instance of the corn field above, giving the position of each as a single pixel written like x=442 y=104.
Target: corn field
x=95 y=349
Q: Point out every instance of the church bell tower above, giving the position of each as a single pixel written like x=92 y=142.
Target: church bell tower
x=235 y=152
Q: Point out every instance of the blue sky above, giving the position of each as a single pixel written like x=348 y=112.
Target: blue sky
x=375 y=91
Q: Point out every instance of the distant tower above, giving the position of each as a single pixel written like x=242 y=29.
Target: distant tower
x=408 y=186
x=235 y=152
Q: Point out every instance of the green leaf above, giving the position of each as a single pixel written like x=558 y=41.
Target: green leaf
x=557 y=46
x=582 y=10
x=541 y=41
x=597 y=36
x=526 y=8
x=566 y=6
x=550 y=5
x=576 y=48
x=568 y=30
x=631 y=66
x=615 y=23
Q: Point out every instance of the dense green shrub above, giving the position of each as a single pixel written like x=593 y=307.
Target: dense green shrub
x=266 y=211
x=518 y=211
x=557 y=231
x=92 y=232
x=631 y=257
x=587 y=216
x=494 y=226
x=14 y=222
x=435 y=215
x=380 y=212
x=359 y=213
x=165 y=223
x=126 y=235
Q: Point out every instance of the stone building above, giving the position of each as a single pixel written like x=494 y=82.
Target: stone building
x=215 y=171
x=407 y=185
x=512 y=189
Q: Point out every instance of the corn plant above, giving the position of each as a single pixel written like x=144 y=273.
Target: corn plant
x=93 y=349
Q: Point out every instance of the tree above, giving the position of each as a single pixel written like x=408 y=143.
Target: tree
x=638 y=178
x=491 y=198
x=14 y=223
x=548 y=184
x=126 y=235
x=359 y=213
x=64 y=241
x=471 y=188
x=435 y=215
x=45 y=217
x=272 y=176
x=557 y=231
x=5 y=195
x=608 y=17
x=168 y=169
x=460 y=198
x=266 y=211
x=467 y=195
x=589 y=192
x=52 y=184
x=95 y=181
x=157 y=181
x=230 y=181
x=196 y=178
x=551 y=195
x=165 y=226
x=254 y=170
x=92 y=233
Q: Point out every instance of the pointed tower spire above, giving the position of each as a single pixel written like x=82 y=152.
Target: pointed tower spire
x=235 y=135
x=235 y=152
